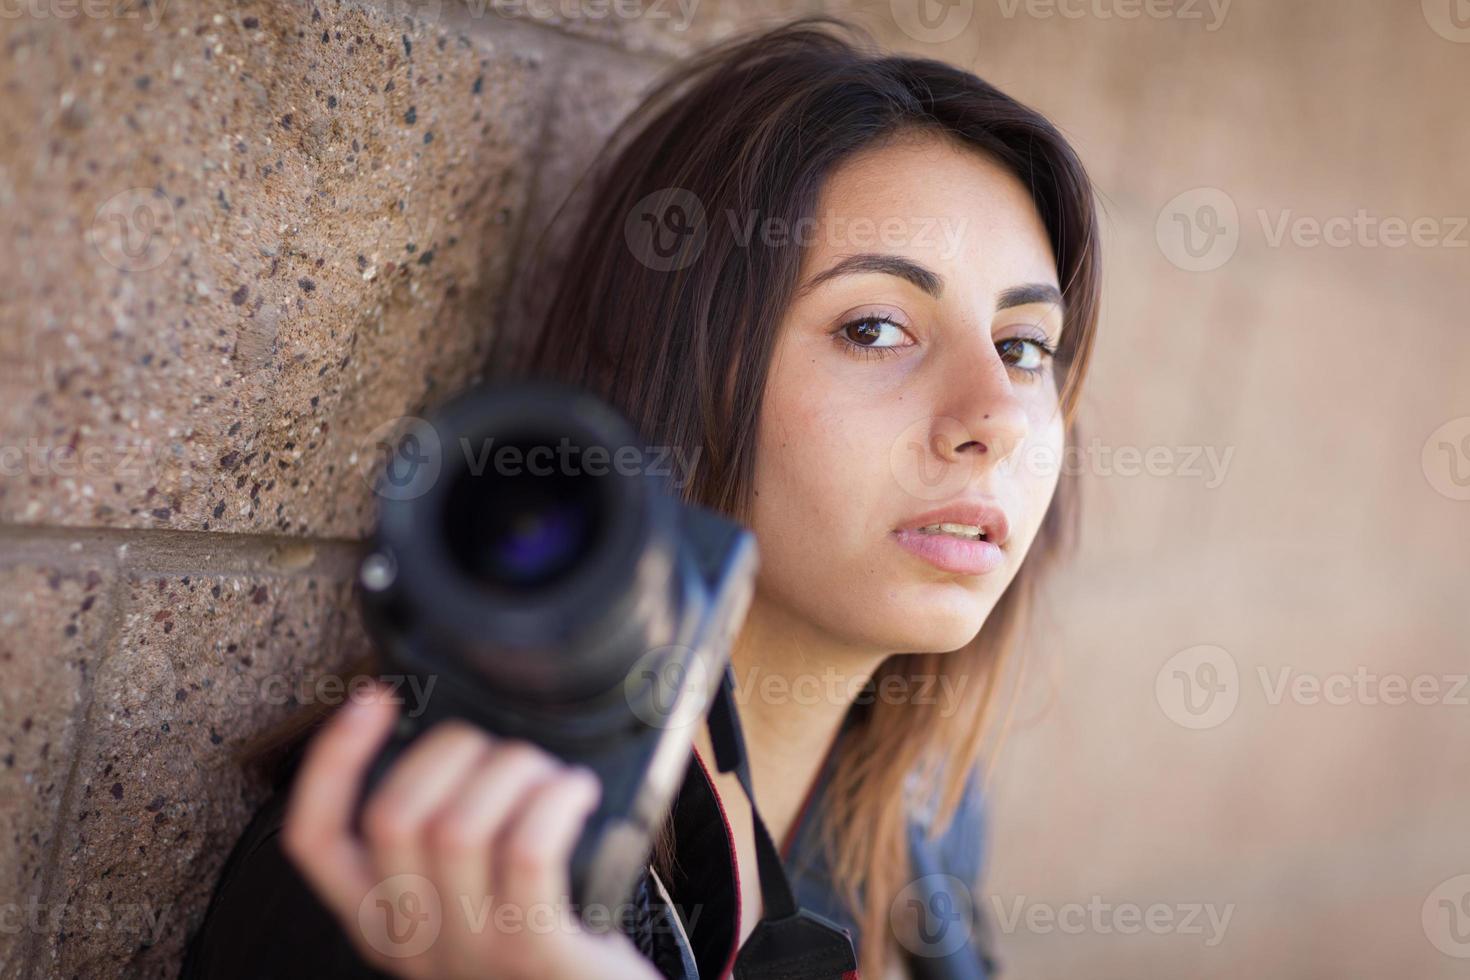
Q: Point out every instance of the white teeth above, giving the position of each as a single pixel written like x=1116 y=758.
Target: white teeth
x=959 y=530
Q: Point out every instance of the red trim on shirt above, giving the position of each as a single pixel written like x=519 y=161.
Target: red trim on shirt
x=734 y=864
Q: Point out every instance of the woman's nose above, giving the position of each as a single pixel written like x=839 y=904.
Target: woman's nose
x=991 y=416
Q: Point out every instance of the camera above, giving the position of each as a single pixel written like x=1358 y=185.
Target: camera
x=534 y=571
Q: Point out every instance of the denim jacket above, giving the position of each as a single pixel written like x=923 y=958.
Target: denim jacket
x=264 y=920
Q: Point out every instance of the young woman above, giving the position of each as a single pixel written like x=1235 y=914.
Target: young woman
x=864 y=290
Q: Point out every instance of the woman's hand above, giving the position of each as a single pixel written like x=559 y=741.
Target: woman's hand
x=462 y=869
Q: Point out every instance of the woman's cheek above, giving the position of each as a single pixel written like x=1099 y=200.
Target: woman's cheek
x=815 y=478
x=805 y=477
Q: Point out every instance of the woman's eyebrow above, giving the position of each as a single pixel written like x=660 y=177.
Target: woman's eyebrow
x=1031 y=292
x=929 y=281
x=894 y=265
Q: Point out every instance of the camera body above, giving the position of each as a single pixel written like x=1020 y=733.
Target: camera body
x=533 y=571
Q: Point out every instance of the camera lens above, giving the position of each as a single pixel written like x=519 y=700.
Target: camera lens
x=522 y=521
x=543 y=558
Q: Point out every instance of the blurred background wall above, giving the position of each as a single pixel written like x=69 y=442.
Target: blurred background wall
x=236 y=238
x=1249 y=696
x=1247 y=713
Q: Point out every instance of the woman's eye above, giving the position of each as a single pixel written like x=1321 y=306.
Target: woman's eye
x=873 y=335
x=1024 y=353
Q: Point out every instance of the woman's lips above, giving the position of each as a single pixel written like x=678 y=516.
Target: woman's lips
x=952 y=554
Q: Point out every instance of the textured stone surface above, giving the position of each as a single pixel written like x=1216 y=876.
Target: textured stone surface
x=199 y=664
x=50 y=623
x=250 y=236
x=664 y=27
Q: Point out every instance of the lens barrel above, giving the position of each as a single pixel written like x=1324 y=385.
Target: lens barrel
x=537 y=552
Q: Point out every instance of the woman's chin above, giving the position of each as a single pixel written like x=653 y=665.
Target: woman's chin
x=934 y=627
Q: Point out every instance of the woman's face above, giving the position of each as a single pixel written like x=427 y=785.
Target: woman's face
x=910 y=385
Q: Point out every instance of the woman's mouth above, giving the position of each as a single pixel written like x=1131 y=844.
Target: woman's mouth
x=964 y=551
x=964 y=538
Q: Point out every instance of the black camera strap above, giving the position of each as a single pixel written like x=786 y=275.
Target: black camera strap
x=789 y=942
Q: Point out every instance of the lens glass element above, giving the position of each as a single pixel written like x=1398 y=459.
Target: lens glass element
x=524 y=526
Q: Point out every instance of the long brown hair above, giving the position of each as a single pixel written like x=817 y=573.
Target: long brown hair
x=681 y=340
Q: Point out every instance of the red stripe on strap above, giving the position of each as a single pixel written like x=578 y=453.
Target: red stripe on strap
x=734 y=864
